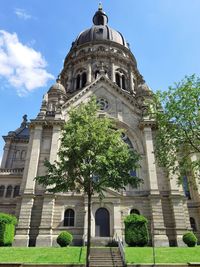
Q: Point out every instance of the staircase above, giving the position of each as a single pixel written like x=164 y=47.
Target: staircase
x=105 y=257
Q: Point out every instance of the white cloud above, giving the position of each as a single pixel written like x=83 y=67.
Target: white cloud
x=22 y=14
x=22 y=66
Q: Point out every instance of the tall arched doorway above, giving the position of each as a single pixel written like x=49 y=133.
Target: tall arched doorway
x=102 y=222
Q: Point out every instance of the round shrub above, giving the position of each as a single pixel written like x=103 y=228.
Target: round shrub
x=7 y=229
x=64 y=239
x=190 y=239
x=136 y=232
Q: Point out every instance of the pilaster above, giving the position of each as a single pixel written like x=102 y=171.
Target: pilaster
x=5 y=154
x=23 y=228
x=117 y=220
x=45 y=237
x=160 y=237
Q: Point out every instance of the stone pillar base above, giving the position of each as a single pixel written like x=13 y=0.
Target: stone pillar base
x=21 y=241
x=44 y=241
x=161 y=241
x=180 y=243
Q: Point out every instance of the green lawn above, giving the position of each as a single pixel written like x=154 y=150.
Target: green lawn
x=42 y=255
x=163 y=255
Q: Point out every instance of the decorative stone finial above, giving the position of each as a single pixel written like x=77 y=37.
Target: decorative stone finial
x=100 y=6
x=58 y=79
x=24 y=122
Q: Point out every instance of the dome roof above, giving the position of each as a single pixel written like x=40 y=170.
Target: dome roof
x=100 y=31
x=57 y=87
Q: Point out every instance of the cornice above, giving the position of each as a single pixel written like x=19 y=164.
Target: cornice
x=46 y=123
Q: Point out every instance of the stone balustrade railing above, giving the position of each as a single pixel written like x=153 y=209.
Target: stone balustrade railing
x=11 y=171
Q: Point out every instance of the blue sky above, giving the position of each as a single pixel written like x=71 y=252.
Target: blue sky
x=35 y=37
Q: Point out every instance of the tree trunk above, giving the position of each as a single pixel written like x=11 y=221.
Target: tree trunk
x=89 y=230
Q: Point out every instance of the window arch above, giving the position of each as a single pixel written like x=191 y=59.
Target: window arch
x=186 y=187
x=135 y=211
x=193 y=224
x=2 y=189
x=84 y=79
x=9 y=191
x=117 y=77
x=123 y=82
x=120 y=78
x=78 y=79
x=69 y=217
x=16 y=191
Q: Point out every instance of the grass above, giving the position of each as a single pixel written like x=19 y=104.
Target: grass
x=42 y=255
x=163 y=255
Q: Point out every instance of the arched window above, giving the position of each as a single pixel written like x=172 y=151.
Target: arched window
x=9 y=191
x=69 y=217
x=126 y=139
x=123 y=82
x=117 y=77
x=193 y=224
x=78 y=79
x=16 y=191
x=84 y=79
x=2 y=189
x=134 y=211
x=186 y=187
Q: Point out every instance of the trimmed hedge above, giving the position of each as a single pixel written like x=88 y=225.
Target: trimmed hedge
x=64 y=239
x=136 y=232
x=190 y=239
x=7 y=229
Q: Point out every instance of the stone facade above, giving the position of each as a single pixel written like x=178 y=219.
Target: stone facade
x=99 y=63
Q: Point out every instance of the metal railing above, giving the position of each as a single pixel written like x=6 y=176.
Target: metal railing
x=121 y=247
x=84 y=238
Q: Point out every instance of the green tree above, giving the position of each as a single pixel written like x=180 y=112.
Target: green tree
x=92 y=157
x=178 y=133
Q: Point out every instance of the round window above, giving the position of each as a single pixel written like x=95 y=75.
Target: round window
x=102 y=104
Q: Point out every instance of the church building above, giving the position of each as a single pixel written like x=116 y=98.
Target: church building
x=99 y=63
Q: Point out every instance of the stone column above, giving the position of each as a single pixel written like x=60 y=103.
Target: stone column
x=70 y=80
x=89 y=76
x=22 y=230
x=45 y=237
x=179 y=208
x=181 y=217
x=131 y=80
x=112 y=72
x=160 y=238
x=117 y=219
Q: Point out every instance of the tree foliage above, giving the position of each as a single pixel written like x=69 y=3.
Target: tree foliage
x=92 y=157
x=7 y=229
x=178 y=120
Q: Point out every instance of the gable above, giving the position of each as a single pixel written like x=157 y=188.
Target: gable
x=118 y=100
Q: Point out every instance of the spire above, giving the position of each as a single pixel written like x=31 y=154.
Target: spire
x=100 y=17
x=100 y=6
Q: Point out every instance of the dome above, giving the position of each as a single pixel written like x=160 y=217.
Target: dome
x=57 y=87
x=100 y=31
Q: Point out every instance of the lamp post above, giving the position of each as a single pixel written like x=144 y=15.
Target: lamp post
x=153 y=245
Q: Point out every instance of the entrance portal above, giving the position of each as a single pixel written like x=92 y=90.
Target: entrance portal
x=102 y=222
